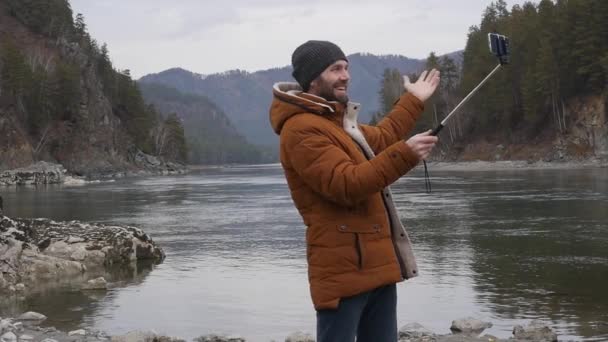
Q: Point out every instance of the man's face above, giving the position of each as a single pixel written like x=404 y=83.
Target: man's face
x=332 y=84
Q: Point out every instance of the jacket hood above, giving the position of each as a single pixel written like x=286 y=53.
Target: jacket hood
x=289 y=100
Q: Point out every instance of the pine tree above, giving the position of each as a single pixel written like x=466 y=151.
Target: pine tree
x=449 y=73
x=587 y=47
x=15 y=73
x=66 y=83
x=391 y=88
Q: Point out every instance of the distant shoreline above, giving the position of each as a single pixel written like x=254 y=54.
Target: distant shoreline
x=514 y=165
x=478 y=165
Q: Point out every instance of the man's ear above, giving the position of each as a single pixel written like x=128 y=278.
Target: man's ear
x=313 y=85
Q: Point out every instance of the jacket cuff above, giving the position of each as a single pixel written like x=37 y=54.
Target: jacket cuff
x=402 y=157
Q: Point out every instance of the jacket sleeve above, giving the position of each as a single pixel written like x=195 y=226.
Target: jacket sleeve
x=395 y=125
x=333 y=174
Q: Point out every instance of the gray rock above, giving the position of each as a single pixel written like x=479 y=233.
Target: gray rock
x=26 y=338
x=141 y=336
x=39 y=173
x=469 y=325
x=96 y=284
x=35 y=267
x=74 y=239
x=219 y=338
x=48 y=340
x=32 y=316
x=535 y=331
x=20 y=287
x=299 y=336
x=79 y=255
x=135 y=336
x=8 y=337
x=414 y=330
x=6 y=326
x=34 y=250
x=79 y=332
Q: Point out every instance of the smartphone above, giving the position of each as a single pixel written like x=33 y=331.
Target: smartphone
x=499 y=46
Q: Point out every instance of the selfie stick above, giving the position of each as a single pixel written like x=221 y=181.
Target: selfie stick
x=499 y=45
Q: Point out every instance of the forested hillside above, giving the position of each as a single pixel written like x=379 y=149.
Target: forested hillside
x=548 y=104
x=61 y=100
x=211 y=137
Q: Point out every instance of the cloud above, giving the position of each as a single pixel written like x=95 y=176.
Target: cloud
x=213 y=36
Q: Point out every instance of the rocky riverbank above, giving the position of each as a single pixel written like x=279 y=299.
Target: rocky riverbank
x=26 y=328
x=515 y=165
x=51 y=173
x=38 y=251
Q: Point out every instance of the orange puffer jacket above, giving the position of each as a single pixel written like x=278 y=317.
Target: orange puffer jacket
x=338 y=173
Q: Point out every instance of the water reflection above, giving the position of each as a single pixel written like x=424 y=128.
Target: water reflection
x=544 y=254
x=65 y=305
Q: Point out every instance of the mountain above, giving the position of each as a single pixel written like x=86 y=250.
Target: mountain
x=245 y=97
x=211 y=137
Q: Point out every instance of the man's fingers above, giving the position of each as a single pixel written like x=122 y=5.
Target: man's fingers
x=435 y=78
x=422 y=76
x=426 y=138
x=432 y=75
x=429 y=75
x=406 y=80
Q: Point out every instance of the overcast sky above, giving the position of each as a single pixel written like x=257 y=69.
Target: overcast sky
x=209 y=36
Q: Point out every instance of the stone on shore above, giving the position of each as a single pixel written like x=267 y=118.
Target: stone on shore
x=219 y=338
x=32 y=316
x=535 y=331
x=8 y=337
x=414 y=330
x=5 y=325
x=143 y=336
x=39 y=173
x=96 y=284
x=79 y=332
x=299 y=336
x=469 y=325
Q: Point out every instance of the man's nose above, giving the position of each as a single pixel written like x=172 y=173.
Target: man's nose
x=345 y=76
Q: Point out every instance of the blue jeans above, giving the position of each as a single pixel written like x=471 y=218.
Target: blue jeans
x=370 y=317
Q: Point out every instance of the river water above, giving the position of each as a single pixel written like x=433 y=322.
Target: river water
x=504 y=246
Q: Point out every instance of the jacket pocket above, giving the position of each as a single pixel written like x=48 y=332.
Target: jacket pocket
x=358 y=232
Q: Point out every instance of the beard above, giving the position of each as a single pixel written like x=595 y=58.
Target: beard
x=327 y=90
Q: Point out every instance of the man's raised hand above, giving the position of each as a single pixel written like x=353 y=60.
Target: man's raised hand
x=425 y=86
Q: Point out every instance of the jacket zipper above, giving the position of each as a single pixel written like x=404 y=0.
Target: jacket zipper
x=359 y=250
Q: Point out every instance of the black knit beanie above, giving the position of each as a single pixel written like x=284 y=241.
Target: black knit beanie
x=310 y=59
